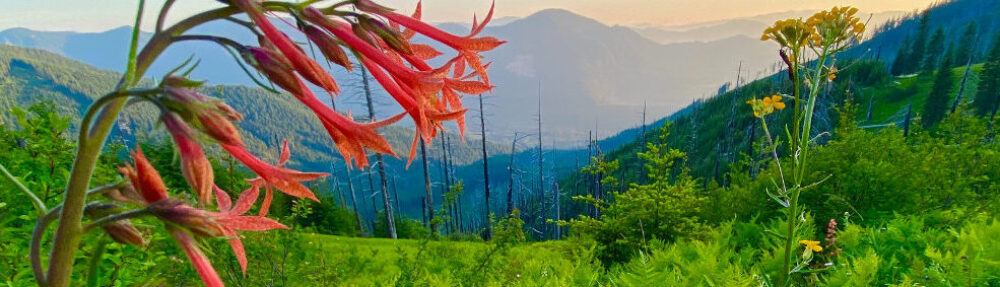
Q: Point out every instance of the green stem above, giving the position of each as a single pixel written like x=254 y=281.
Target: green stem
x=69 y=231
x=113 y=218
x=39 y=205
x=94 y=265
x=802 y=139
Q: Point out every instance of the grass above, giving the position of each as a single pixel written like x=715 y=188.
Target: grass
x=889 y=108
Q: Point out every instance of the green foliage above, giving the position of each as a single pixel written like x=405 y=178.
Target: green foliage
x=986 y=100
x=666 y=208
x=326 y=217
x=938 y=102
x=405 y=227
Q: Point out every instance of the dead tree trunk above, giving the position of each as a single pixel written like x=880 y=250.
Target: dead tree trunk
x=395 y=196
x=389 y=221
x=428 y=197
x=510 y=174
x=486 y=174
x=555 y=198
x=354 y=203
x=965 y=76
x=541 y=168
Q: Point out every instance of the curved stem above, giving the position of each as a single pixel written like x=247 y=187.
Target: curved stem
x=37 y=202
x=43 y=223
x=163 y=15
x=67 y=236
x=35 y=248
x=113 y=218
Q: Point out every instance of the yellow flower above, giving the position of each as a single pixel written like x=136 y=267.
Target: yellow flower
x=766 y=105
x=811 y=244
x=776 y=102
x=835 y=27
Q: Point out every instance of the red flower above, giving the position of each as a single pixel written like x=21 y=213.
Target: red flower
x=144 y=178
x=197 y=258
x=194 y=165
x=467 y=46
x=286 y=180
x=232 y=219
x=214 y=117
x=306 y=67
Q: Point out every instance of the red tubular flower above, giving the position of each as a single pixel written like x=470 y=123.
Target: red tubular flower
x=232 y=219
x=194 y=165
x=425 y=81
x=306 y=67
x=144 y=178
x=214 y=117
x=197 y=258
x=286 y=180
x=467 y=46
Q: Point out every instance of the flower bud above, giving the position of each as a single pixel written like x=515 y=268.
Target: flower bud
x=272 y=65
x=121 y=231
x=327 y=45
x=145 y=179
x=194 y=165
x=196 y=220
x=389 y=35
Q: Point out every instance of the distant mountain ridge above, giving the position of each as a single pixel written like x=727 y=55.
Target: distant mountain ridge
x=606 y=72
x=747 y=26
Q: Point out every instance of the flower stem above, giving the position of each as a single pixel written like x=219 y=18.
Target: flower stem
x=117 y=217
x=69 y=231
x=39 y=205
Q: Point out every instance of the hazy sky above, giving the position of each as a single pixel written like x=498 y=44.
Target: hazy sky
x=99 y=15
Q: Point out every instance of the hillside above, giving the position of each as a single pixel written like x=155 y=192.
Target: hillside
x=29 y=75
x=605 y=71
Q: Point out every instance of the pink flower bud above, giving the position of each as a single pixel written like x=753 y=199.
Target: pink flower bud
x=194 y=165
x=196 y=220
x=121 y=231
x=271 y=64
x=328 y=46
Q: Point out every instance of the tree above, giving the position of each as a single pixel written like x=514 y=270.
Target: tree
x=661 y=209
x=935 y=48
x=985 y=101
x=379 y=160
x=899 y=65
x=919 y=49
x=966 y=45
x=937 y=101
x=486 y=174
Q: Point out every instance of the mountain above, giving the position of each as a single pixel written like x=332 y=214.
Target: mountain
x=748 y=26
x=28 y=76
x=719 y=131
x=605 y=72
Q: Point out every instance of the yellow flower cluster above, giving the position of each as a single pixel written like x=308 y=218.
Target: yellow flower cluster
x=811 y=244
x=791 y=33
x=831 y=27
x=835 y=26
x=766 y=106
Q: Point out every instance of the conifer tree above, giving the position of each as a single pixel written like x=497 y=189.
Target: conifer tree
x=937 y=101
x=899 y=64
x=966 y=45
x=919 y=48
x=989 y=82
x=934 y=49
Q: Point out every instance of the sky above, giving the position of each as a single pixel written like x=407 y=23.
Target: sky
x=100 y=15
